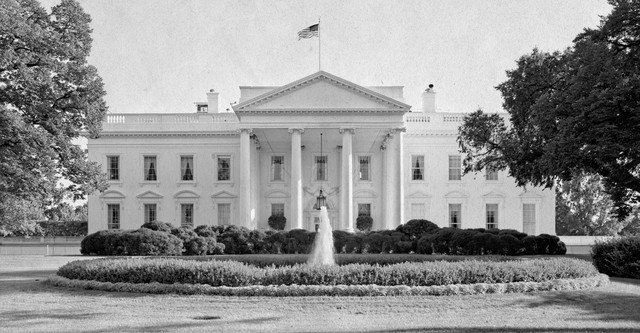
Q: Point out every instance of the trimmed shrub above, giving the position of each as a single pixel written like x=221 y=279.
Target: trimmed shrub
x=206 y=231
x=618 y=256
x=515 y=233
x=414 y=229
x=257 y=242
x=425 y=244
x=354 y=243
x=442 y=240
x=364 y=223
x=192 y=243
x=275 y=241
x=373 y=242
x=158 y=226
x=462 y=242
x=529 y=245
x=131 y=242
x=234 y=274
x=298 y=241
x=235 y=240
x=277 y=222
x=340 y=240
x=511 y=245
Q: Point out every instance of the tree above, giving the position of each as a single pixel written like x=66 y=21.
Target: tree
x=584 y=209
x=570 y=112
x=48 y=96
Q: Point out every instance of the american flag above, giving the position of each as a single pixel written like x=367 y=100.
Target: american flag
x=309 y=32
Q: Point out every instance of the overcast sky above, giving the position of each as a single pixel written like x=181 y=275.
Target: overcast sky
x=162 y=55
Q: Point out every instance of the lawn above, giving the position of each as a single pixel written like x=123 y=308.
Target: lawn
x=28 y=305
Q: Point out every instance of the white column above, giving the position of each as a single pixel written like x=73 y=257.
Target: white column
x=244 y=179
x=296 y=178
x=400 y=172
x=388 y=172
x=346 y=184
x=255 y=183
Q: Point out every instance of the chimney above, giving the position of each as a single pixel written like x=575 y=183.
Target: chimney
x=429 y=100
x=212 y=100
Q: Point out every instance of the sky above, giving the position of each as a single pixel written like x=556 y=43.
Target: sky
x=161 y=56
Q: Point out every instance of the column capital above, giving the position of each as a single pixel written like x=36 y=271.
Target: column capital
x=392 y=131
x=347 y=129
x=301 y=130
x=245 y=130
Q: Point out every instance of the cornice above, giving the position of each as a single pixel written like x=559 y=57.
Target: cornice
x=321 y=110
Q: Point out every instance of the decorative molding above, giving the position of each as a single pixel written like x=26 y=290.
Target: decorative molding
x=418 y=194
x=223 y=194
x=456 y=194
x=149 y=195
x=351 y=130
x=112 y=194
x=291 y=130
x=186 y=194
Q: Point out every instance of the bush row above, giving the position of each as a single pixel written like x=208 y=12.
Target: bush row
x=618 y=256
x=340 y=290
x=152 y=239
x=235 y=274
x=418 y=236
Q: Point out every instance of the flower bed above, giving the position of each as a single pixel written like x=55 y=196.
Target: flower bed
x=340 y=290
x=235 y=274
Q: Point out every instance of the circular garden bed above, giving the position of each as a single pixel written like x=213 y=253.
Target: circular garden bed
x=214 y=277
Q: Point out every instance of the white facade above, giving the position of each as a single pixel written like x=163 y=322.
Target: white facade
x=382 y=159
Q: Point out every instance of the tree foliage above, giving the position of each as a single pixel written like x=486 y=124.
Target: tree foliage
x=570 y=112
x=48 y=96
x=584 y=209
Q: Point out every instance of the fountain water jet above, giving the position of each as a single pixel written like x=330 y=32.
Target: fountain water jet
x=322 y=253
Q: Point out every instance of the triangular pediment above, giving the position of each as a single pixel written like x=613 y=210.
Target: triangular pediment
x=223 y=195
x=322 y=92
x=149 y=195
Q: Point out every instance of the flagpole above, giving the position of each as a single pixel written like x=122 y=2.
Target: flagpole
x=319 y=45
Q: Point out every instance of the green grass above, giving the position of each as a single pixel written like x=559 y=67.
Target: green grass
x=30 y=306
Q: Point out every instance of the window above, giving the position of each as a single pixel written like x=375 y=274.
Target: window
x=455 y=215
x=186 y=215
x=455 y=167
x=150 y=165
x=364 y=165
x=491 y=174
x=417 y=211
x=150 y=213
x=529 y=219
x=113 y=216
x=224 y=167
x=186 y=168
x=113 y=167
x=321 y=168
x=492 y=216
x=277 y=168
x=364 y=209
x=224 y=213
x=277 y=209
x=417 y=167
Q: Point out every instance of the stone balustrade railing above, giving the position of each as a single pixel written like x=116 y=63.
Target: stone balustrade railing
x=170 y=118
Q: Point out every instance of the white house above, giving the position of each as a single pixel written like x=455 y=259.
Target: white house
x=369 y=153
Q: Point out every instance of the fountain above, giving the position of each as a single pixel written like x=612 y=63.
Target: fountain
x=322 y=253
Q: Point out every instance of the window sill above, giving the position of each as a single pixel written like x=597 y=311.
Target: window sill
x=156 y=183
x=223 y=183
x=187 y=183
x=115 y=183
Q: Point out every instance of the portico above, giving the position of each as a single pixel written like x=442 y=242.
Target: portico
x=362 y=130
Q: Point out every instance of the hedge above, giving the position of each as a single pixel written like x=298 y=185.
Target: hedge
x=339 y=290
x=131 y=242
x=417 y=236
x=618 y=256
x=235 y=274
